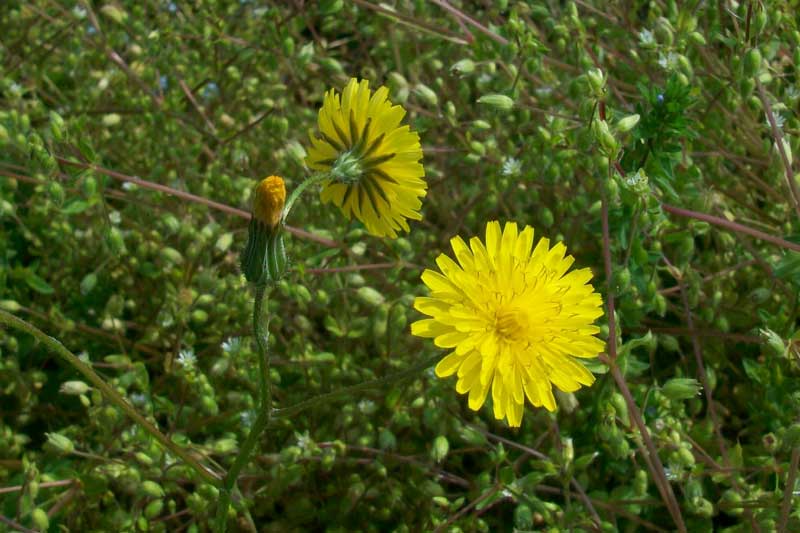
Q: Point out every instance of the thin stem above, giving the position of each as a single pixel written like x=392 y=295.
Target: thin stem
x=311 y=180
x=188 y=196
x=778 y=137
x=265 y=408
x=347 y=391
x=110 y=394
x=733 y=226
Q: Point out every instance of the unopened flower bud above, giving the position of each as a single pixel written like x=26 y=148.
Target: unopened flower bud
x=681 y=388
x=498 y=101
x=59 y=443
x=74 y=388
x=440 y=448
x=264 y=256
x=627 y=123
x=597 y=80
x=465 y=66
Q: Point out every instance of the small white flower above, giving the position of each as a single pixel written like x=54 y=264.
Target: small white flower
x=646 y=38
x=511 y=167
x=668 y=61
x=303 y=440
x=187 y=358
x=247 y=417
x=780 y=120
x=232 y=345
x=137 y=398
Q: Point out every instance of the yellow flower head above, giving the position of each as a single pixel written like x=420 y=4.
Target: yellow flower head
x=270 y=195
x=514 y=318
x=374 y=162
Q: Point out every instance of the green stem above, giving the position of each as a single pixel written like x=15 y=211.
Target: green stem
x=110 y=394
x=262 y=421
x=311 y=180
x=347 y=391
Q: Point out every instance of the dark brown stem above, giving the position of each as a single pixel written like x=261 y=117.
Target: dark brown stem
x=777 y=136
x=190 y=197
x=732 y=226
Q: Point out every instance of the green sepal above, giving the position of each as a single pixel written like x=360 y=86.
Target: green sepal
x=264 y=256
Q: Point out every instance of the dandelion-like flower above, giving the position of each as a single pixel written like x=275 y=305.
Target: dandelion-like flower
x=514 y=318
x=373 y=161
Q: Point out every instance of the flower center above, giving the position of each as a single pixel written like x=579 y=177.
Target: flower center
x=511 y=324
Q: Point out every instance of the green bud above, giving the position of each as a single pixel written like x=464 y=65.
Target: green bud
x=426 y=94
x=12 y=306
x=759 y=22
x=663 y=32
x=143 y=458
x=114 y=13
x=199 y=316
x=154 y=508
x=603 y=136
x=481 y=125
x=56 y=126
x=627 y=123
x=151 y=489
x=498 y=101
x=370 y=296
x=440 y=448
x=685 y=458
x=597 y=81
x=620 y=406
x=74 y=388
x=752 y=62
x=582 y=462
x=775 y=343
x=622 y=280
x=88 y=283
x=697 y=38
x=40 y=520
x=681 y=388
x=59 y=443
x=465 y=66
x=731 y=503
x=111 y=120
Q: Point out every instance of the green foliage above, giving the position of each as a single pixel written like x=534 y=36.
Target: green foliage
x=99 y=102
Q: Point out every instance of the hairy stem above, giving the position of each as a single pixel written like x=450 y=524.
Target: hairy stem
x=265 y=408
x=110 y=394
x=295 y=194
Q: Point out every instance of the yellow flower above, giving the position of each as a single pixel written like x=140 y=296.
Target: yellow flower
x=515 y=320
x=268 y=201
x=374 y=162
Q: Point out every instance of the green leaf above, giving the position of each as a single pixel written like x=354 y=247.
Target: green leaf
x=75 y=207
x=38 y=284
